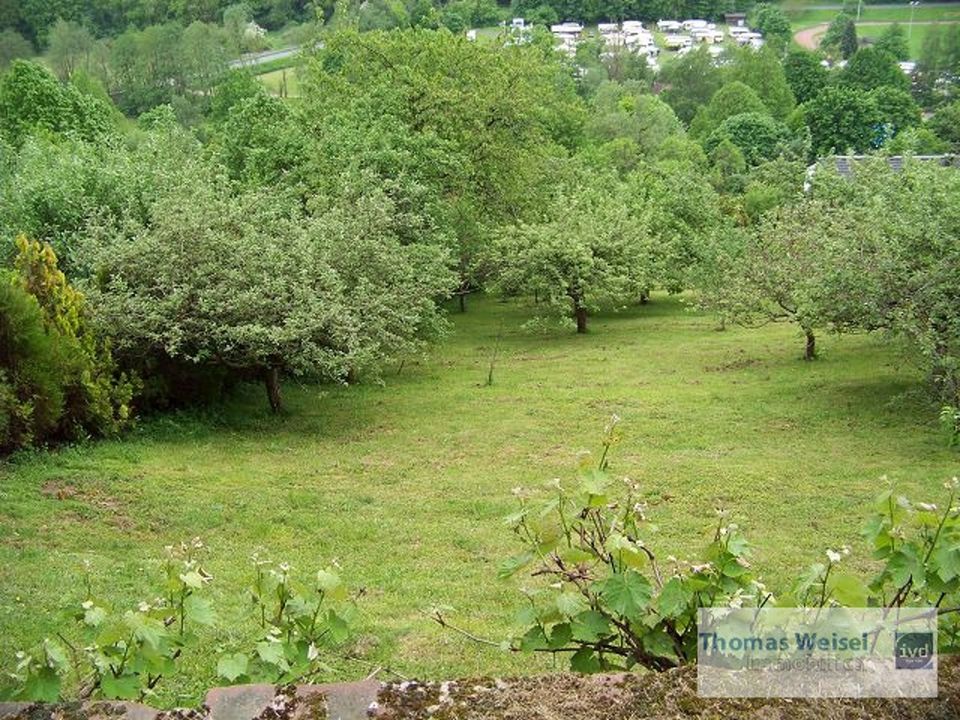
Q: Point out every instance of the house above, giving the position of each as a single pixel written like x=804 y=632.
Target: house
x=735 y=19
x=845 y=165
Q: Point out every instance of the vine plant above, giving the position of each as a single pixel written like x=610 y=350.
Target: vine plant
x=605 y=600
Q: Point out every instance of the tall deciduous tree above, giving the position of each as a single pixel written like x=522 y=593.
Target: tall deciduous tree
x=69 y=49
x=805 y=75
x=690 y=82
x=734 y=98
x=464 y=131
x=773 y=23
x=849 y=43
x=248 y=282
x=893 y=41
x=842 y=118
x=762 y=70
x=871 y=68
x=32 y=99
x=587 y=252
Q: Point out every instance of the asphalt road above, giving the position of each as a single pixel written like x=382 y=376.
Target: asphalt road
x=261 y=58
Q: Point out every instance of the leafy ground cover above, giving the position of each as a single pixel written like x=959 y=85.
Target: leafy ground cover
x=405 y=484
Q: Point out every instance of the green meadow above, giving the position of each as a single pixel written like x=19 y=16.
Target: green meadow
x=405 y=483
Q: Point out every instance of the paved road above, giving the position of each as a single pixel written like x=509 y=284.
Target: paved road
x=261 y=58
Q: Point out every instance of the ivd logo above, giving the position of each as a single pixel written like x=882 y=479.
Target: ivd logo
x=914 y=650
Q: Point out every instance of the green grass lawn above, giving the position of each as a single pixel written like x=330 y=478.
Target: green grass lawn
x=802 y=16
x=275 y=79
x=406 y=483
x=914 y=37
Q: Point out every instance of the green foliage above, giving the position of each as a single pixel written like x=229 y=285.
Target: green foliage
x=12 y=46
x=587 y=251
x=900 y=274
x=945 y=123
x=728 y=167
x=124 y=654
x=235 y=86
x=773 y=272
x=805 y=75
x=53 y=186
x=118 y=655
x=893 y=41
x=849 y=43
x=674 y=203
x=773 y=23
x=871 y=68
x=261 y=141
x=838 y=29
x=950 y=422
x=96 y=395
x=59 y=379
x=465 y=133
x=898 y=111
x=734 y=98
x=916 y=141
x=919 y=544
x=690 y=81
x=296 y=623
x=31 y=396
x=69 y=47
x=32 y=100
x=758 y=136
x=842 y=118
x=762 y=70
x=249 y=282
x=606 y=600
x=629 y=124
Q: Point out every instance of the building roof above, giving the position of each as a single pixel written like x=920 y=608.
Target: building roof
x=846 y=164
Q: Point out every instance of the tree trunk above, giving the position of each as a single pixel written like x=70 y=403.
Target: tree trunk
x=580 y=313
x=644 y=297
x=810 y=352
x=463 y=302
x=271 y=379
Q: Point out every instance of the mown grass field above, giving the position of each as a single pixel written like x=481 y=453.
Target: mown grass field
x=406 y=483
x=915 y=37
x=803 y=15
x=281 y=83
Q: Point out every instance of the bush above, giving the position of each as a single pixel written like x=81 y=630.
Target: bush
x=759 y=137
x=58 y=379
x=31 y=393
